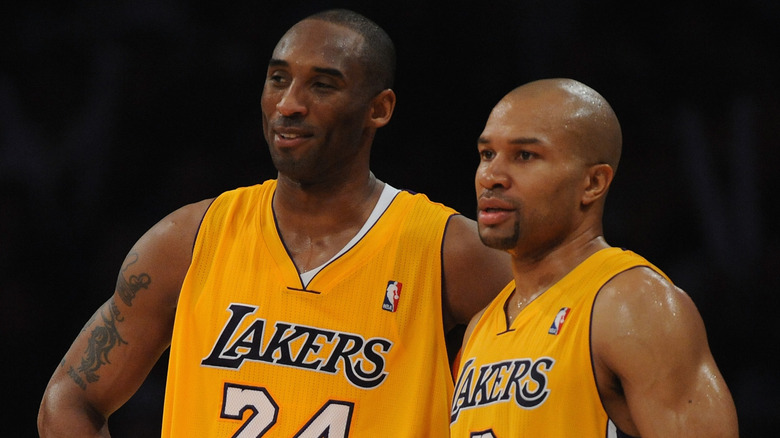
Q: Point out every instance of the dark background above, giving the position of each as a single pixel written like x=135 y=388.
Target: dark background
x=113 y=114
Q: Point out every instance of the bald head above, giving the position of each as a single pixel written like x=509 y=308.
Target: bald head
x=578 y=110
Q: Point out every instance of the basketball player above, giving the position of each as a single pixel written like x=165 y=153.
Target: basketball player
x=312 y=305
x=588 y=340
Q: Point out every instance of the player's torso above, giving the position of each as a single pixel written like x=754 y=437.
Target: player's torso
x=355 y=352
x=535 y=377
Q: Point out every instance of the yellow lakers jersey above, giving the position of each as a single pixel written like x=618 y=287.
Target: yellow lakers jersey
x=534 y=378
x=359 y=351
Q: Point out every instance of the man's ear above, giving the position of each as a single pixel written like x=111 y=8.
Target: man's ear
x=382 y=106
x=597 y=182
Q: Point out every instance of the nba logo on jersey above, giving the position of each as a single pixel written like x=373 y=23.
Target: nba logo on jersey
x=392 y=295
x=557 y=324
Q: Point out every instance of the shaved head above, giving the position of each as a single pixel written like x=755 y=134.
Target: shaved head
x=580 y=111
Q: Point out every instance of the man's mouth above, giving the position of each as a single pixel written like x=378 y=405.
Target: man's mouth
x=493 y=216
x=288 y=138
x=493 y=210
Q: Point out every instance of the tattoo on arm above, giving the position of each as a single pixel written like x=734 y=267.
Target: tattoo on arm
x=127 y=288
x=105 y=336
x=102 y=340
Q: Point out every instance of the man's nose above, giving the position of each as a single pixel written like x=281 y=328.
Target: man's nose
x=291 y=102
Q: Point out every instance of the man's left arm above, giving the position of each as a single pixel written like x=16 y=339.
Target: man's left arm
x=649 y=336
x=473 y=273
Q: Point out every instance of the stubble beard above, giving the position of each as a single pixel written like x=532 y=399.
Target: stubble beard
x=297 y=168
x=503 y=243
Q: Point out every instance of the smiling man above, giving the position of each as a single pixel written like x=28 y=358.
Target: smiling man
x=588 y=340
x=314 y=304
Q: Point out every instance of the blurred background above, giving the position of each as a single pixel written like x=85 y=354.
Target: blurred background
x=113 y=114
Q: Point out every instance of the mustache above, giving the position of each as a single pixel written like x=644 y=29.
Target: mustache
x=496 y=194
x=286 y=122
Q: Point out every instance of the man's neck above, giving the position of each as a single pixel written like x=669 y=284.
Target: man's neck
x=534 y=275
x=314 y=225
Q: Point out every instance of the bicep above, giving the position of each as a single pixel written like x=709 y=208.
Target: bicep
x=102 y=369
x=473 y=273
x=649 y=334
x=116 y=348
x=111 y=357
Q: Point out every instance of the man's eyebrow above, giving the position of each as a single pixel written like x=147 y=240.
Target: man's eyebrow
x=524 y=140
x=329 y=71
x=518 y=140
x=320 y=70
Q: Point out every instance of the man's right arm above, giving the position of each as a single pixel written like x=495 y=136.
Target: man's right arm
x=119 y=345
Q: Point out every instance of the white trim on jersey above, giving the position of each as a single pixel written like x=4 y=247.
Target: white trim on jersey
x=387 y=196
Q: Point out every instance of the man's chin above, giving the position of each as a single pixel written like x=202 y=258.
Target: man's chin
x=502 y=238
x=503 y=243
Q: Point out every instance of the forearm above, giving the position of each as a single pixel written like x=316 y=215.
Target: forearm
x=61 y=416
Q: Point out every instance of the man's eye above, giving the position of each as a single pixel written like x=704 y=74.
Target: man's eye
x=324 y=86
x=525 y=155
x=486 y=155
x=276 y=79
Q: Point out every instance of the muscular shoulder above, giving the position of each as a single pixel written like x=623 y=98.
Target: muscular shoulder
x=639 y=307
x=164 y=252
x=641 y=298
x=175 y=234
